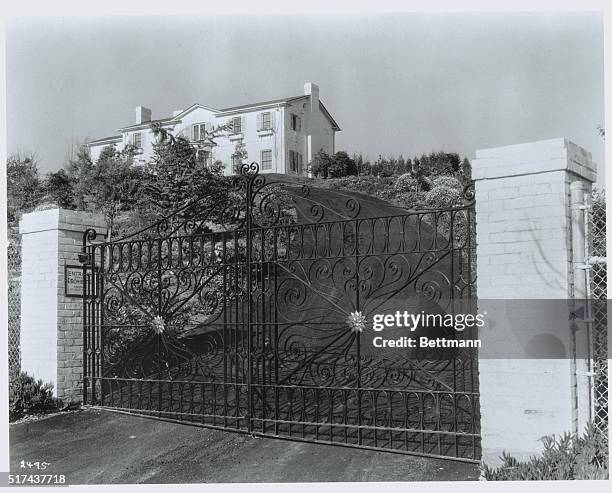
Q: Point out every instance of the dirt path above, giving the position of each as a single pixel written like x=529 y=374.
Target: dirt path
x=94 y=446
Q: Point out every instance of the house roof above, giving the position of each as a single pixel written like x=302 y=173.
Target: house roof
x=136 y=126
x=263 y=103
x=335 y=126
x=219 y=112
x=273 y=102
x=114 y=138
x=190 y=109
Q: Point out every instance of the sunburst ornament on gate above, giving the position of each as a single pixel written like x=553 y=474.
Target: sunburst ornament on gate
x=159 y=325
x=356 y=321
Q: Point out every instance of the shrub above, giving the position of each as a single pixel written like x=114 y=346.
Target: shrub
x=567 y=457
x=30 y=396
x=406 y=183
x=370 y=185
x=442 y=196
x=447 y=181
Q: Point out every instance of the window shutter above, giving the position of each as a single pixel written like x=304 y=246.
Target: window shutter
x=299 y=124
x=243 y=124
x=194 y=132
x=272 y=119
x=259 y=121
x=300 y=163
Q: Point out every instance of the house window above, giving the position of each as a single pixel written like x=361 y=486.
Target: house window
x=237 y=125
x=266 y=159
x=206 y=157
x=296 y=123
x=137 y=140
x=295 y=162
x=198 y=132
x=266 y=121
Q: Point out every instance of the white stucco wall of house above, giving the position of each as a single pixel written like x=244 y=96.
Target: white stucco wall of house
x=297 y=141
x=255 y=141
x=316 y=133
x=96 y=150
x=322 y=134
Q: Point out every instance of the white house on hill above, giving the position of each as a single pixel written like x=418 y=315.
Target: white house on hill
x=282 y=135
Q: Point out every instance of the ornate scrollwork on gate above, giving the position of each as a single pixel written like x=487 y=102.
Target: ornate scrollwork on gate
x=248 y=308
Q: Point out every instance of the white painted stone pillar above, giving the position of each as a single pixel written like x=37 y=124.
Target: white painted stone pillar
x=524 y=252
x=51 y=322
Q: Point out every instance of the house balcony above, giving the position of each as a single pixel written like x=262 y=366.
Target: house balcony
x=264 y=132
x=237 y=136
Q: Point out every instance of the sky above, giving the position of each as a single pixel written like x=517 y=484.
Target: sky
x=396 y=84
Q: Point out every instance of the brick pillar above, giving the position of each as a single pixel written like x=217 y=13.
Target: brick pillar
x=51 y=323
x=524 y=252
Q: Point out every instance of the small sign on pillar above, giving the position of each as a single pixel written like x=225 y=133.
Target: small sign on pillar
x=73 y=279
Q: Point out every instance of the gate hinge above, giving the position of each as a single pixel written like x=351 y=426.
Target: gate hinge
x=586 y=373
x=85 y=258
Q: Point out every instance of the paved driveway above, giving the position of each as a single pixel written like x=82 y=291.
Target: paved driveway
x=95 y=446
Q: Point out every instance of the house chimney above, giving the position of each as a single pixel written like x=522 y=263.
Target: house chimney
x=312 y=90
x=143 y=115
x=312 y=144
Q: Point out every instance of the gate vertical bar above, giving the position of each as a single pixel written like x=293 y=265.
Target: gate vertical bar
x=159 y=336
x=275 y=322
x=248 y=225
x=225 y=321
x=93 y=334
x=98 y=290
x=358 y=333
x=85 y=324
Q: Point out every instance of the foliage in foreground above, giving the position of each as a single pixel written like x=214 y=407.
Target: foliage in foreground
x=566 y=457
x=29 y=396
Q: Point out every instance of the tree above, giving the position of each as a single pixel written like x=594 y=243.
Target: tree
x=58 y=188
x=401 y=165
x=342 y=165
x=240 y=155
x=358 y=158
x=113 y=184
x=320 y=164
x=466 y=169
x=79 y=171
x=24 y=185
x=179 y=174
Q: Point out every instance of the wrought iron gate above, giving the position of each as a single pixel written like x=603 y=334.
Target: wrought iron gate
x=244 y=310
